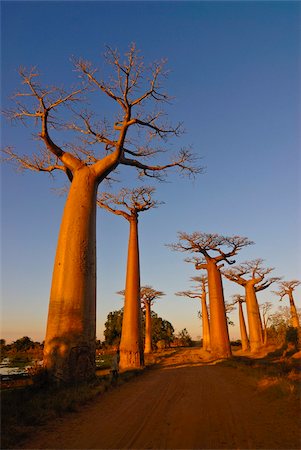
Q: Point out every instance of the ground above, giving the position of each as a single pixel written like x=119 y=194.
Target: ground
x=185 y=402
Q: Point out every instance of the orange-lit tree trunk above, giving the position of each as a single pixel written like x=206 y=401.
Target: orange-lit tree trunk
x=205 y=322
x=243 y=330
x=254 y=319
x=130 y=204
x=148 y=348
x=255 y=282
x=294 y=315
x=69 y=351
x=131 y=346
x=219 y=335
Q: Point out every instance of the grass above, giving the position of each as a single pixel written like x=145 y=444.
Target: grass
x=274 y=374
x=27 y=407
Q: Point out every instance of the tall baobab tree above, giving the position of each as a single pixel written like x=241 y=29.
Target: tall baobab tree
x=201 y=293
x=287 y=288
x=130 y=204
x=97 y=149
x=240 y=299
x=214 y=249
x=255 y=283
x=148 y=296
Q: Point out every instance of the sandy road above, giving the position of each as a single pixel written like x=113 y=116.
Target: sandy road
x=181 y=405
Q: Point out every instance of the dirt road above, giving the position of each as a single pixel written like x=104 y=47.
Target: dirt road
x=184 y=404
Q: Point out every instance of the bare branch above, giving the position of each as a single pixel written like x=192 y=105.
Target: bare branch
x=206 y=243
x=133 y=201
x=286 y=288
x=251 y=271
x=185 y=162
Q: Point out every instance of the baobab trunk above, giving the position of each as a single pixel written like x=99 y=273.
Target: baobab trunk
x=205 y=320
x=243 y=330
x=131 y=348
x=254 y=319
x=69 y=351
x=219 y=335
x=148 y=329
x=294 y=314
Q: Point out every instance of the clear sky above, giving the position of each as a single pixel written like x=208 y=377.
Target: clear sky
x=235 y=75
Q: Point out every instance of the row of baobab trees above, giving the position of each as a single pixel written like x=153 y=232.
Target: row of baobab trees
x=131 y=138
x=251 y=275
x=211 y=252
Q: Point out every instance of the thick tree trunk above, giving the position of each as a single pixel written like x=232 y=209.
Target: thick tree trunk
x=254 y=319
x=131 y=347
x=69 y=351
x=205 y=323
x=243 y=330
x=148 y=329
x=219 y=335
x=294 y=315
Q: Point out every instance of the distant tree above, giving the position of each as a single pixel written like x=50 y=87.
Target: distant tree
x=97 y=149
x=214 y=249
x=162 y=330
x=130 y=203
x=23 y=344
x=240 y=299
x=265 y=309
x=2 y=347
x=201 y=293
x=287 y=288
x=251 y=275
x=183 y=338
x=113 y=327
x=280 y=325
x=148 y=296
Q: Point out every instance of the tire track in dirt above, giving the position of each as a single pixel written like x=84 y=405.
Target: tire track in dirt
x=181 y=405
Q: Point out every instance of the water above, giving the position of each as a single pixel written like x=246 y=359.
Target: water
x=9 y=367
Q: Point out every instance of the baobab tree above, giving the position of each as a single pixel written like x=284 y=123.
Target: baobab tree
x=287 y=288
x=255 y=283
x=96 y=150
x=265 y=308
x=130 y=204
x=214 y=249
x=240 y=299
x=201 y=293
x=148 y=295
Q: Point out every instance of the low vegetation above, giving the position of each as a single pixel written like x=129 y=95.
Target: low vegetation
x=24 y=408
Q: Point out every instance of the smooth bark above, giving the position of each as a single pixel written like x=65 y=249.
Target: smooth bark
x=219 y=335
x=69 y=351
x=205 y=323
x=131 y=347
x=148 y=348
x=254 y=319
x=243 y=330
x=294 y=315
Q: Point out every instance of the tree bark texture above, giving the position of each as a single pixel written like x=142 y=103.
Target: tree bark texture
x=205 y=323
x=219 y=335
x=131 y=346
x=148 y=329
x=69 y=351
x=294 y=315
x=245 y=345
x=254 y=319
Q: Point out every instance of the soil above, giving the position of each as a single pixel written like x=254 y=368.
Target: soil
x=185 y=402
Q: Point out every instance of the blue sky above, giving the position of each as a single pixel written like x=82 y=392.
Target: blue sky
x=235 y=75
